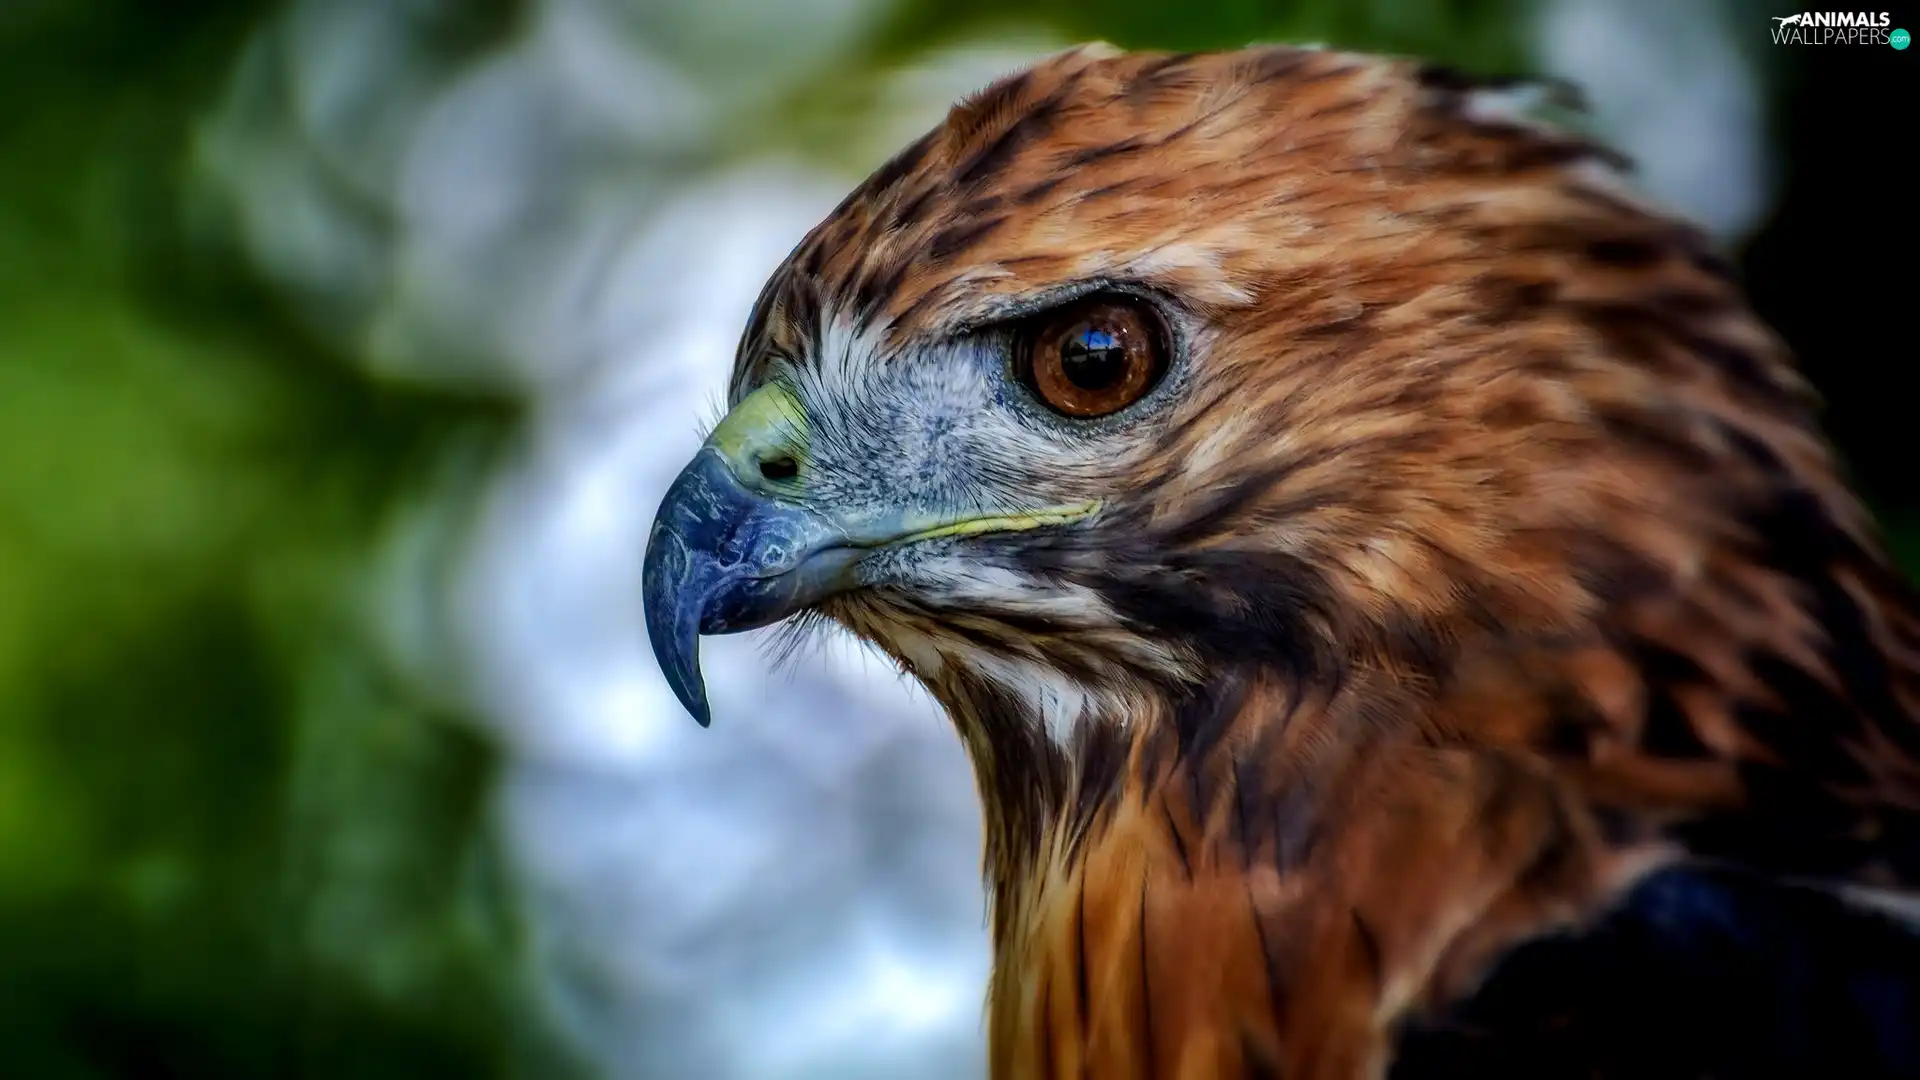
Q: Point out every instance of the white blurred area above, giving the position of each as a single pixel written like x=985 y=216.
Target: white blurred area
x=1670 y=87
x=579 y=212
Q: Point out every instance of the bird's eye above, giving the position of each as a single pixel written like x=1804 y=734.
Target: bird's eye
x=1093 y=357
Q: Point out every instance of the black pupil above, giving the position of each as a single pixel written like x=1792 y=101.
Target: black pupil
x=1093 y=357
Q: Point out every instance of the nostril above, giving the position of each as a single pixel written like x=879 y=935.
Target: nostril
x=780 y=468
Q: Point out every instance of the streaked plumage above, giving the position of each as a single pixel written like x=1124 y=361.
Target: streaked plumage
x=1475 y=576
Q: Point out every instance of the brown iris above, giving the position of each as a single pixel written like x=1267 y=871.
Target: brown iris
x=1093 y=357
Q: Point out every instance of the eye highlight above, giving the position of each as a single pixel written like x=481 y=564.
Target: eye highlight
x=1093 y=357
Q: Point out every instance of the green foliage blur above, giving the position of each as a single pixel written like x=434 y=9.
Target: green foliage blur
x=233 y=842
x=230 y=843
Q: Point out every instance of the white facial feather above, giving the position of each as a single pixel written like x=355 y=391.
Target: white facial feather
x=1058 y=701
x=934 y=427
x=937 y=432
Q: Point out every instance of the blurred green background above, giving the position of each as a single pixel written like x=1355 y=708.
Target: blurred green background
x=235 y=841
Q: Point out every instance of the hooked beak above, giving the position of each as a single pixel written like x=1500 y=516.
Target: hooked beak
x=724 y=558
x=734 y=549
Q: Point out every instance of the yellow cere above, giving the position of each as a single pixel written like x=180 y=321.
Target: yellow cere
x=767 y=423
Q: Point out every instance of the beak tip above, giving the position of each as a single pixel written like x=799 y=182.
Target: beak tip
x=694 y=699
x=680 y=663
x=673 y=623
x=683 y=676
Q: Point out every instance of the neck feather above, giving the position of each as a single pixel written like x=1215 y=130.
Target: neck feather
x=1053 y=757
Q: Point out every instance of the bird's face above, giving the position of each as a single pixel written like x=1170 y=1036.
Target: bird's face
x=933 y=487
x=950 y=404
x=1137 y=359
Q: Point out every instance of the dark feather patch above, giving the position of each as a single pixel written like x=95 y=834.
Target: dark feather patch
x=1179 y=842
x=1625 y=252
x=877 y=287
x=900 y=166
x=1202 y=719
x=1260 y=1061
x=1094 y=153
x=986 y=162
x=1039 y=191
x=956 y=239
x=1665 y=729
x=1368 y=944
x=1698 y=974
x=1149 y=1052
x=1099 y=754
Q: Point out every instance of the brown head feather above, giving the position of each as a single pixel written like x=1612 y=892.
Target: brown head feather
x=1489 y=548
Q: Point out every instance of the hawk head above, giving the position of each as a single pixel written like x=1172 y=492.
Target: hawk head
x=1304 y=369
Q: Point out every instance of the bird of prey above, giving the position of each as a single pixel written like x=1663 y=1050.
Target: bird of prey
x=1399 y=607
